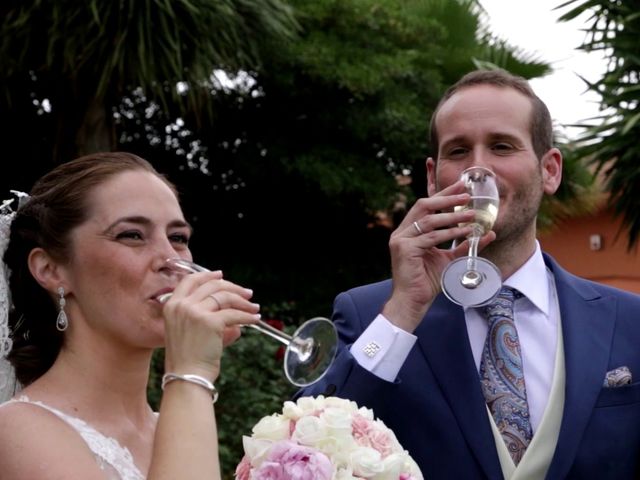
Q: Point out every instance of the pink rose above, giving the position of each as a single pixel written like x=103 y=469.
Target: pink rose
x=367 y=435
x=243 y=469
x=288 y=461
x=360 y=426
x=381 y=442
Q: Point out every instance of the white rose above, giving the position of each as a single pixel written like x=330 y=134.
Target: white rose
x=393 y=465
x=291 y=410
x=338 y=421
x=273 y=427
x=342 y=403
x=310 y=405
x=309 y=431
x=338 y=448
x=344 y=474
x=412 y=467
x=366 y=462
x=366 y=413
x=255 y=449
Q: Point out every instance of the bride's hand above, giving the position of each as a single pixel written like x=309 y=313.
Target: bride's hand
x=203 y=315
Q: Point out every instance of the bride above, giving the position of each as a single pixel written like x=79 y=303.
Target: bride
x=86 y=257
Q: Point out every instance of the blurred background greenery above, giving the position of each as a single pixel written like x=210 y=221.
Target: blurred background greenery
x=295 y=131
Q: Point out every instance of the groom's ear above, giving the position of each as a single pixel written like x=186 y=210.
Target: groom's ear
x=551 y=164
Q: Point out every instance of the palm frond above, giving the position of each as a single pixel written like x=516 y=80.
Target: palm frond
x=142 y=43
x=610 y=140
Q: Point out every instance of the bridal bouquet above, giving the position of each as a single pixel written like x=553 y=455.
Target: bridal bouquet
x=318 y=438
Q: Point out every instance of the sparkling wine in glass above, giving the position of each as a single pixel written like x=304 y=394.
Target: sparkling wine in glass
x=473 y=281
x=309 y=351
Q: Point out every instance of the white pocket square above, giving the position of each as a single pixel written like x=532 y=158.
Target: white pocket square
x=617 y=377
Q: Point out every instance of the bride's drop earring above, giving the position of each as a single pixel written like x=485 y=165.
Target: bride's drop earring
x=62 y=322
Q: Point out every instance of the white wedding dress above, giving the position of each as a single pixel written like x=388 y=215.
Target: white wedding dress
x=115 y=460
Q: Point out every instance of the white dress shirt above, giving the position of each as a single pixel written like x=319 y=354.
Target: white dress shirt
x=536 y=316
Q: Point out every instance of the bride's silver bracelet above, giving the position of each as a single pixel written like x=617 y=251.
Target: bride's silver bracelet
x=195 y=379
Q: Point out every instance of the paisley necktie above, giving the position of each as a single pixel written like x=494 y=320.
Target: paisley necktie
x=502 y=377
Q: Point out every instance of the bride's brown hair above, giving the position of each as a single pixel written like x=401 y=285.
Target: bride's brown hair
x=58 y=203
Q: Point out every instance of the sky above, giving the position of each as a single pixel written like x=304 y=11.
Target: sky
x=532 y=25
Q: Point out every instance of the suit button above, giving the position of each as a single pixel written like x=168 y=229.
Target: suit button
x=330 y=390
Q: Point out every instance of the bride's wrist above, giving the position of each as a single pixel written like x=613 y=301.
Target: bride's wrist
x=193 y=379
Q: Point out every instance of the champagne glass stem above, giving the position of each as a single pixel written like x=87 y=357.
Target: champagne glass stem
x=267 y=329
x=474 y=240
x=303 y=347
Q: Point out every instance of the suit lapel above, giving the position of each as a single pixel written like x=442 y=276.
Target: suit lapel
x=444 y=342
x=588 y=322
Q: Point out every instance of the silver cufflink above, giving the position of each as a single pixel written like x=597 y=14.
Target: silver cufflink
x=370 y=349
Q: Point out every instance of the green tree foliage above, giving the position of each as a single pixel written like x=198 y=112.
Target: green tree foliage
x=307 y=153
x=89 y=54
x=611 y=139
x=254 y=386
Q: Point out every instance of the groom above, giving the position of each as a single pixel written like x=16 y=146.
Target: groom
x=565 y=403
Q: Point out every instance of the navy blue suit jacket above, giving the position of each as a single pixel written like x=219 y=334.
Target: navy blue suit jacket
x=436 y=406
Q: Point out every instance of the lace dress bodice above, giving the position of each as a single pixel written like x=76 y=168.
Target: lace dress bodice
x=115 y=460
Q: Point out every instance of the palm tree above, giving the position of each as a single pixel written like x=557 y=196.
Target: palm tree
x=610 y=141
x=84 y=56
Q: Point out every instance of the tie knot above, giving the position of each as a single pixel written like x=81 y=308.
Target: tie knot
x=502 y=305
x=510 y=293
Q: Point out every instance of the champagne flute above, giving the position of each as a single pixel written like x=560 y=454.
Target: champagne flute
x=473 y=281
x=309 y=351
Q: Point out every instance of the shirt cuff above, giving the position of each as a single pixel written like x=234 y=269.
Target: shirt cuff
x=383 y=348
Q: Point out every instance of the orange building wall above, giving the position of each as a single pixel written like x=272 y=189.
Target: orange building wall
x=574 y=246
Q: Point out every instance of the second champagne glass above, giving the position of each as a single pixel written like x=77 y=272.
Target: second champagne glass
x=473 y=281
x=309 y=351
